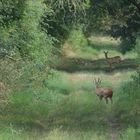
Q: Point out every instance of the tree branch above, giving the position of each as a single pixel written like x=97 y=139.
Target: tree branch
x=137 y=5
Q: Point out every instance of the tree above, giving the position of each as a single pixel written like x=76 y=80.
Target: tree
x=65 y=15
x=120 y=19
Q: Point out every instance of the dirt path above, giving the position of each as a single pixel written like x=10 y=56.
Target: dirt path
x=114 y=129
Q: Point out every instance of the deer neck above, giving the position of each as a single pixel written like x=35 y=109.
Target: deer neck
x=106 y=56
x=99 y=90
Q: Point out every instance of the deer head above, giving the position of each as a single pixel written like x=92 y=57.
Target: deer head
x=106 y=54
x=97 y=82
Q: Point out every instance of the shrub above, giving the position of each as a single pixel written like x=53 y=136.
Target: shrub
x=77 y=39
x=126 y=109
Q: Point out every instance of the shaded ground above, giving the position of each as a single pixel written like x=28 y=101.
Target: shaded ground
x=79 y=64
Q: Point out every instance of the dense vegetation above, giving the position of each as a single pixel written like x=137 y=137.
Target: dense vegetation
x=40 y=38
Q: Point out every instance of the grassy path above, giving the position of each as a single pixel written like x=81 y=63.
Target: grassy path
x=114 y=129
x=113 y=80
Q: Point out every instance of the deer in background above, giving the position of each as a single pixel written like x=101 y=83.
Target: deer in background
x=103 y=92
x=112 y=60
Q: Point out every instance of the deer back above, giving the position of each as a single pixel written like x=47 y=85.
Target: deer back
x=115 y=59
x=105 y=92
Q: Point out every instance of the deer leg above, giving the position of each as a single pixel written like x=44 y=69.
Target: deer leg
x=100 y=97
x=111 y=100
x=106 y=100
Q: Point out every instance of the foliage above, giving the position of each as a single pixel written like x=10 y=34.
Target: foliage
x=127 y=44
x=127 y=107
x=120 y=19
x=11 y=10
x=77 y=39
x=138 y=46
x=34 y=42
x=26 y=36
x=130 y=133
x=66 y=14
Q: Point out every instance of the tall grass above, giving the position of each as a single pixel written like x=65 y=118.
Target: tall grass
x=79 y=111
x=59 y=134
x=126 y=108
x=56 y=134
x=130 y=134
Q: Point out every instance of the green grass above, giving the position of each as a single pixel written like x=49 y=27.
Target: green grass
x=60 y=84
x=65 y=100
x=64 y=135
x=126 y=108
x=130 y=134
x=55 y=134
x=59 y=134
x=66 y=106
x=94 y=50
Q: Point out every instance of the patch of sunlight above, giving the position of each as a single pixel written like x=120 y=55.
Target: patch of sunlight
x=56 y=134
x=113 y=79
x=104 y=40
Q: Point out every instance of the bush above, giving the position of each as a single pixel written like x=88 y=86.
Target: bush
x=58 y=83
x=127 y=45
x=126 y=109
x=77 y=39
x=129 y=134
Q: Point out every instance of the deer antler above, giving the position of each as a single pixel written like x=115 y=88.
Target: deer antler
x=97 y=81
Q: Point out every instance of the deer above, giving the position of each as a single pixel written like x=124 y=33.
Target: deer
x=103 y=92
x=112 y=60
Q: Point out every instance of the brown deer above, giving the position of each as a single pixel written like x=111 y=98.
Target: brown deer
x=103 y=92
x=112 y=60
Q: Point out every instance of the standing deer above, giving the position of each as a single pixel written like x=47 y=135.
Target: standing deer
x=111 y=60
x=103 y=92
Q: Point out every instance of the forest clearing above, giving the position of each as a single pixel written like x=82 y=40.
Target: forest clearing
x=69 y=70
